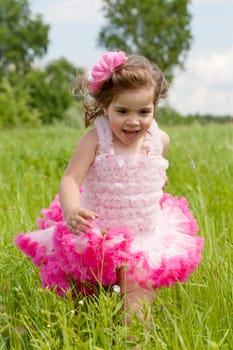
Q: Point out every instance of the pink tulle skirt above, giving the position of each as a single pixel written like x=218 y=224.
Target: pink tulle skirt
x=166 y=256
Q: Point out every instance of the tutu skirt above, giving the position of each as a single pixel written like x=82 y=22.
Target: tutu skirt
x=162 y=258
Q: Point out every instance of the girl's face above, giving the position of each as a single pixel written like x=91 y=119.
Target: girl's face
x=131 y=113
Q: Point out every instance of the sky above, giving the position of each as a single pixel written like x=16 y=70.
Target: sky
x=205 y=86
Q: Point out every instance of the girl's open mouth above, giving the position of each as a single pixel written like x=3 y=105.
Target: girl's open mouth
x=131 y=133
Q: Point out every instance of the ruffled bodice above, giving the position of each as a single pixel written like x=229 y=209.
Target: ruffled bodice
x=125 y=189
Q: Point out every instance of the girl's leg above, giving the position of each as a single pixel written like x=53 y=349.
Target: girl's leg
x=135 y=298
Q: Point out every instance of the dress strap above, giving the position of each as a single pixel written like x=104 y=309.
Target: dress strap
x=152 y=140
x=104 y=133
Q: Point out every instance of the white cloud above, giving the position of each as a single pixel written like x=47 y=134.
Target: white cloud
x=214 y=69
x=82 y=11
x=206 y=86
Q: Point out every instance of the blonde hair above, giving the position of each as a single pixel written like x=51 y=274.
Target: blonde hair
x=137 y=72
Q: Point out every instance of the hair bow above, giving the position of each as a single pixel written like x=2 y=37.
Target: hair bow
x=104 y=68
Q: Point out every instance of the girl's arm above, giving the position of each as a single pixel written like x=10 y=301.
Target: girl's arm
x=72 y=179
x=165 y=142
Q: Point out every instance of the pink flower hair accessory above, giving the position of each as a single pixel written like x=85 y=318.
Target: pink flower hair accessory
x=104 y=68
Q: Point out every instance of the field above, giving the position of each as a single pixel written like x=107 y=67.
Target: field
x=193 y=316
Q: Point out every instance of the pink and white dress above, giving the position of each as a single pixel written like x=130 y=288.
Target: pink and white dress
x=151 y=234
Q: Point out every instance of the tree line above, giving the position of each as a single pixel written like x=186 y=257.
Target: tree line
x=32 y=95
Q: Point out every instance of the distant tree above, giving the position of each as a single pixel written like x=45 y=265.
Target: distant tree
x=15 y=106
x=158 y=29
x=45 y=91
x=23 y=36
x=50 y=89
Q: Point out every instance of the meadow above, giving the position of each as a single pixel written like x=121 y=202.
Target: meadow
x=193 y=316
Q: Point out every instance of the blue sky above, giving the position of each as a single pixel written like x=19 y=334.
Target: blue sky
x=206 y=84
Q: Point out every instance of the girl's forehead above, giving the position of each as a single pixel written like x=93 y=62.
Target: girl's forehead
x=144 y=95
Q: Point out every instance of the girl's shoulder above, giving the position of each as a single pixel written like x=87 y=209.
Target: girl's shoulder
x=90 y=137
x=165 y=141
x=88 y=143
x=164 y=136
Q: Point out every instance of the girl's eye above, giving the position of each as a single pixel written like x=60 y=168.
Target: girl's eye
x=121 y=111
x=145 y=111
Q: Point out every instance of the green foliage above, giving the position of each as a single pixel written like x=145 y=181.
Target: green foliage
x=196 y=315
x=40 y=94
x=22 y=37
x=62 y=70
x=209 y=118
x=50 y=89
x=73 y=116
x=160 y=30
x=15 y=106
x=167 y=115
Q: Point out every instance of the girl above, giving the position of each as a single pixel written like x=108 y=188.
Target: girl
x=121 y=229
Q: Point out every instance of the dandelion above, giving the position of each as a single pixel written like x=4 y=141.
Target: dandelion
x=116 y=289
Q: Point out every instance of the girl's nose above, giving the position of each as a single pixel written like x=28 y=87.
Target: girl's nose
x=133 y=121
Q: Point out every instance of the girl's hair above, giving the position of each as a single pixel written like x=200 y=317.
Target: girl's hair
x=135 y=73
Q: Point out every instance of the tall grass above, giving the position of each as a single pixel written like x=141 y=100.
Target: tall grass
x=197 y=315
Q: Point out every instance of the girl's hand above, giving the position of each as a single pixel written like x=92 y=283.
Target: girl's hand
x=77 y=219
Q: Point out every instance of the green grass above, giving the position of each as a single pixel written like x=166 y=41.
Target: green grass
x=197 y=315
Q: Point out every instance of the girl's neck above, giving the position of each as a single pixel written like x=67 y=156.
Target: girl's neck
x=134 y=148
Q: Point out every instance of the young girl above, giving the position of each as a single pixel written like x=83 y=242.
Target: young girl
x=121 y=229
